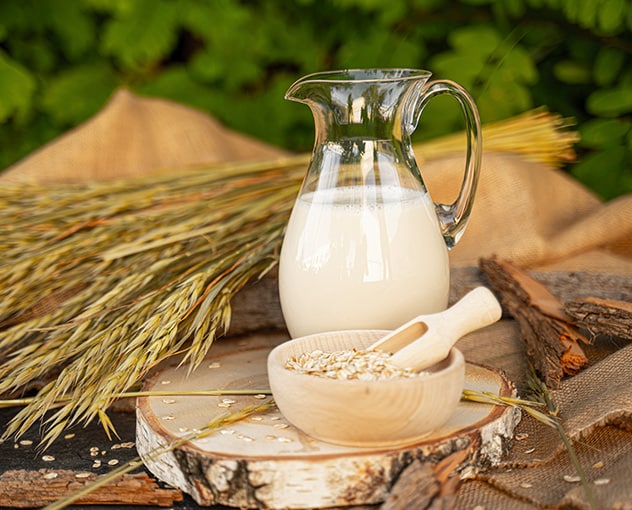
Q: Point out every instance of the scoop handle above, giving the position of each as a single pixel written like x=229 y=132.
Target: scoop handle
x=477 y=309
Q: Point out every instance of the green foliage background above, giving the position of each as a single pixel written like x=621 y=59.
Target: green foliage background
x=60 y=60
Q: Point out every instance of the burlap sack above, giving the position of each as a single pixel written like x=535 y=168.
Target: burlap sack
x=595 y=411
x=536 y=216
x=135 y=136
x=529 y=213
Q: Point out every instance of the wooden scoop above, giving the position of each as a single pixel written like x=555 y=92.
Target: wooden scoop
x=427 y=339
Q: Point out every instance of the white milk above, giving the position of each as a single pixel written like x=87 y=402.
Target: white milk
x=348 y=266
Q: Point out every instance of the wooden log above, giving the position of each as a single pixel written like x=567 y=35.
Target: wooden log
x=564 y=285
x=552 y=344
x=416 y=488
x=33 y=489
x=264 y=462
x=602 y=316
x=427 y=485
x=257 y=306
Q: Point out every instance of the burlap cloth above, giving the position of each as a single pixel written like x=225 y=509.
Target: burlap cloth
x=532 y=214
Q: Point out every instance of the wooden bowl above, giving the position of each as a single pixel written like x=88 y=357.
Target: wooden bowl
x=363 y=413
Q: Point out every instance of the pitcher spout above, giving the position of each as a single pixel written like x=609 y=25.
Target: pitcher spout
x=372 y=103
x=300 y=90
x=304 y=89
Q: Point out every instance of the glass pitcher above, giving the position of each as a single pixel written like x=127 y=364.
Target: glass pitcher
x=365 y=246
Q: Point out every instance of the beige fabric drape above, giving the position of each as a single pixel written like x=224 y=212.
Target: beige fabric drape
x=536 y=216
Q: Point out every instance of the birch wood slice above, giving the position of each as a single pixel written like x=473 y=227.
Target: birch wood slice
x=264 y=462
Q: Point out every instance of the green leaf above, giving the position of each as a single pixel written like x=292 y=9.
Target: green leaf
x=393 y=11
x=500 y=101
x=608 y=64
x=587 y=12
x=460 y=68
x=572 y=9
x=520 y=64
x=366 y=5
x=380 y=48
x=517 y=8
x=514 y=8
x=211 y=66
x=15 y=145
x=605 y=172
x=427 y=4
x=597 y=133
x=142 y=34
x=177 y=84
x=611 y=15
x=478 y=41
x=34 y=53
x=74 y=26
x=290 y=38
x=218 y=22
x=440 y=117
x=111 y=6
x=17 y=86
x=16 y=16
x=573 y=72
x=610 y=102
x=64 y=26
x=77 y=93
x=207 y=67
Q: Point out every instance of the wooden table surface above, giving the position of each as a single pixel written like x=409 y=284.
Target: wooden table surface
x=74 y=453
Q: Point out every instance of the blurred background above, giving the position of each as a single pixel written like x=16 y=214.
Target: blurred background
x=61 y=60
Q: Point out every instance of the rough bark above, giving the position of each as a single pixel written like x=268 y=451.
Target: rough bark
x=602 y=316
x=267 y=463
x=33 y=489
x=552 y=344
x=416 y=488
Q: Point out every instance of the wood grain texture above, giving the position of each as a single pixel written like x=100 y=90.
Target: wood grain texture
x=602 y=316
x=362 y=413
x=36 y=488
x=552 y=343
x=263 y=462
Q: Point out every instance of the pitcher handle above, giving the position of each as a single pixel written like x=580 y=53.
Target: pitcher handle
x=454 y=217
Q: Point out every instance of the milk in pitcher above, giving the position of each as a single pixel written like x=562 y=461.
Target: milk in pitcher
x=352 y=265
